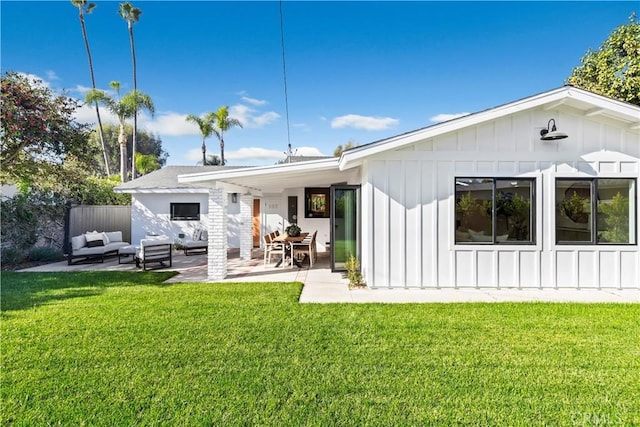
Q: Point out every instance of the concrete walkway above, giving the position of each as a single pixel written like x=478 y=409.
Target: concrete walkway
x=323 y=286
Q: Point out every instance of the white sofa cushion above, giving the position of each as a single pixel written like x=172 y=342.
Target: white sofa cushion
x=78 y=242
x=113 y=236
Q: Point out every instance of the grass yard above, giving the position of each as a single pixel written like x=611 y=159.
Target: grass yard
x=115 y=348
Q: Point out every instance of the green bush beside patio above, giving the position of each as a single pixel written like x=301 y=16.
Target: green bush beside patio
x=116 y=348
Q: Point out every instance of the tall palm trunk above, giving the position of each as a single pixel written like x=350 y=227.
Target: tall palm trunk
x=204 y=153
x=135 y=114
x=93 y=86
x=221 y=149
x=122 y=140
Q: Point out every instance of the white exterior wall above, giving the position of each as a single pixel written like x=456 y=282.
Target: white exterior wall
x=274 y=216
x=150 y=213
x=409 y=205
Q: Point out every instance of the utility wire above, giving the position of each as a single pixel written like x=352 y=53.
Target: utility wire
x=284 y=73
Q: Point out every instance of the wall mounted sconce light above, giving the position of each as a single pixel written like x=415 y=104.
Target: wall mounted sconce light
x=551 y=133
x=234 y=197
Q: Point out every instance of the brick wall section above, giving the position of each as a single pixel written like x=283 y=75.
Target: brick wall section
x=217 y=225
x=246 y=226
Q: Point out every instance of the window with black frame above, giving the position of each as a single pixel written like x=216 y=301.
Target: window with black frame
x=185 y=211
x=495 y=211
x=596 y=211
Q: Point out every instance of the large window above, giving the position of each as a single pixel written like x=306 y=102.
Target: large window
x=185 y=211
x=596 y=211
x=495 y=211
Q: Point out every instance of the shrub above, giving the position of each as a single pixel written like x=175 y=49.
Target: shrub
x=11 y=257
x=45 y=254
x=353 y=272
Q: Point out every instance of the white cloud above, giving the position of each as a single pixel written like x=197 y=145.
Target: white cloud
x=195 y=155
x=250 y=117
x=164 y=124
x=253 y=101
x=308 y=151
x=363 y=122
x=265 y=119
x=51 y=75
x=254 y=153
x=87 y=114
x=82 y=90
x=168 y=123
x=443 y=117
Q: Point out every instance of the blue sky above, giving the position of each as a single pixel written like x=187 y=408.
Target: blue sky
x=356 y=71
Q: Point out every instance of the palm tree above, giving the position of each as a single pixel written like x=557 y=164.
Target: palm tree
x=222 y=124
x=123 y=107
x=206 y=129
x=87 y=8
x=132 y=14
x=212 y=160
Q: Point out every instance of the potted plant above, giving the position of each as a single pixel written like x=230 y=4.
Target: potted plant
x=465 y=207
x=293 y=230
x=576 y=208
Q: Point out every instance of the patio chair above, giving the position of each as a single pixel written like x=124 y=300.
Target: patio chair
x=308 y=248
x=270 y=247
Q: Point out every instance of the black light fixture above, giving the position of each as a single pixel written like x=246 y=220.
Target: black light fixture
x=234 y=197
x=551 y=133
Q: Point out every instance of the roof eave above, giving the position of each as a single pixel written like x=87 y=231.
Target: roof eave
x=355 y=157
x=313 y=165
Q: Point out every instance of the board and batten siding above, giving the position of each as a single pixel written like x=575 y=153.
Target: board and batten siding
x=409 y=206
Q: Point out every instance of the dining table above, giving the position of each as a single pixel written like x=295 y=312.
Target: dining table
x=289 y=242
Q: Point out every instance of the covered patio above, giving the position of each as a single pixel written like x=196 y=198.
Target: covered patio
x=281 y=192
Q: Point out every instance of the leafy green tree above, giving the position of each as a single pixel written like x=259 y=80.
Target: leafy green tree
x=205 y=124
x=614 y=69
x=132 y=14
x=146 y=163
x=222 y=124
x=615 y=220
x=148 y=144
x=85 y=7
x=38 y=133
x=340 y=149
x=123 y=107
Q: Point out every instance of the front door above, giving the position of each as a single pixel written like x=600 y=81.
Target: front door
x=256 y=223
x=345 y=225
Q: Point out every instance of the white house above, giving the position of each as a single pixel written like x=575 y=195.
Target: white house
x=160 y=205
x=498 y=198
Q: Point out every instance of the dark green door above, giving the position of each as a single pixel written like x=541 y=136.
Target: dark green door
x=345 y=224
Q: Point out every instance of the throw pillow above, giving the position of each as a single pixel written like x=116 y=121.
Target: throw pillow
x=92 y=237
x=94 y=243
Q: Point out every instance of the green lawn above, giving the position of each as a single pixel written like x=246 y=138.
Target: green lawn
x=123 y=349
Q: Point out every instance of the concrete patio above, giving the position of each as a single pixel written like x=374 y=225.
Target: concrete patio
x=323 y=286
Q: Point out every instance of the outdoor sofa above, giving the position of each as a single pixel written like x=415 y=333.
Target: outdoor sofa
x=198 y=243
x=94 y=246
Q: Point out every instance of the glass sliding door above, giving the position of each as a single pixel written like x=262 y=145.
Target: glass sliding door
x=345 y=224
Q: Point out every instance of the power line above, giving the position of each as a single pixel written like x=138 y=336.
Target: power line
x=284 y=73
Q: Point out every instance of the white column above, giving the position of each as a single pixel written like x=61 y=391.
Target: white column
x=246 y=226
x=217 y=225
